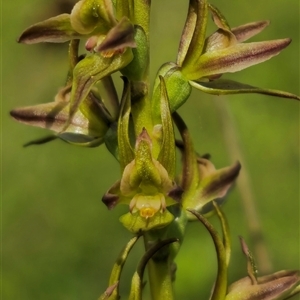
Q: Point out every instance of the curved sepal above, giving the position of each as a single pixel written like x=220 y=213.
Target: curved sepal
x=88 y=127
x=246 y=31
x=198 y=39
x=118 y=37
x=54 y=30
x=235 y=58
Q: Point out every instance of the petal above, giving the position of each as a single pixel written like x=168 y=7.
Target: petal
x=88 y=16
x=217 y=184
x=236 y=58
x=229 y=87
x=54 y=30
x=218 y=18
x=89 y=71
x=246 y=31
x=136 y=223
x=146 y=169
x=279 y=287
x=213 y=185
x=50 y=116
x=119 y=37
x=113 y=196
x=198 y=39
x=187 y=33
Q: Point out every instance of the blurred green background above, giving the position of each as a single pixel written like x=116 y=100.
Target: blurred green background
x=60 y=241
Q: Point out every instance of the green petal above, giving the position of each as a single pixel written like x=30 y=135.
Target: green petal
x=51 y=116
x=235 y=58
x=119 y=37
x=218 y=18
x=216 y=184
x=89 y=71
x=278 y=286
x=54 y=30
x=146 y=169
x=246 y=31
x=88 y=16
x=135 y=223
x=187 y=33
x=229 y=87
x=213 y=184
x=198 y=39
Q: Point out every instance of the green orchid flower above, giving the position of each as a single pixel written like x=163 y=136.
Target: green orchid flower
x=203 y=60
x=89 y=19
x=200 y=180
x=89 y=123
x=87 y=128
x=109 y=40
x=277 y=286
x=146 y=187
x=147 y=184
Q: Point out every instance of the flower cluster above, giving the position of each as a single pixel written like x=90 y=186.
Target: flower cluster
x=139 y=128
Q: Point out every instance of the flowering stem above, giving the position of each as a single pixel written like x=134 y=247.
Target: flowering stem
x=159 y=271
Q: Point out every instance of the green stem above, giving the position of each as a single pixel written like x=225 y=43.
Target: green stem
x=159 y=271
x=160 y=280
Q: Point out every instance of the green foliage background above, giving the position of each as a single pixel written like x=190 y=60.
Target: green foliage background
x=60 y=242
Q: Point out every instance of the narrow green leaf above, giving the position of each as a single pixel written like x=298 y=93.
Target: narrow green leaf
x=230 y=87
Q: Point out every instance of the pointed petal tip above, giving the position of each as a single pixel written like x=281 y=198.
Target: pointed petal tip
x=110 y=200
